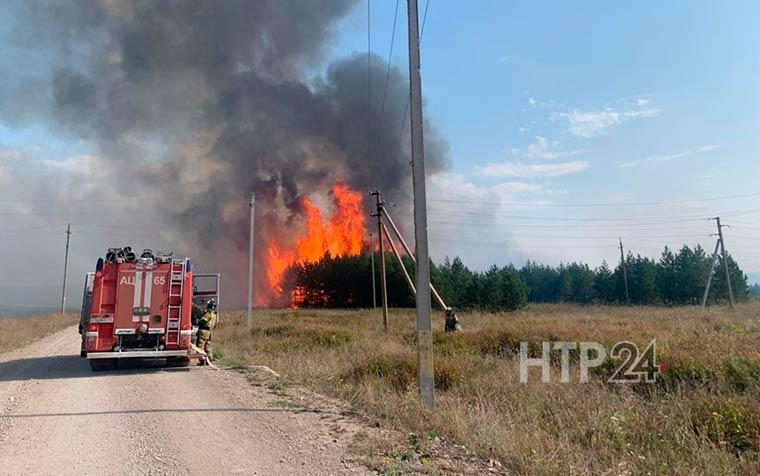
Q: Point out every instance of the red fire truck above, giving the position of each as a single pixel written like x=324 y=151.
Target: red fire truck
x=142 y=308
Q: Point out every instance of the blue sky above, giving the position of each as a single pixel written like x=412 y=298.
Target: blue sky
x=560 y=117
x=590 y=102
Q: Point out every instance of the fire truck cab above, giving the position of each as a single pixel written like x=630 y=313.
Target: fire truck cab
x=142 y=308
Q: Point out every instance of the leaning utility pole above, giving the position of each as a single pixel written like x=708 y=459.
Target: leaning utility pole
x=709 y=276
x=252 y=204
x=383 y=286
x=625 y=273
x=65 y=268
x=725 y=261
x=424 y=322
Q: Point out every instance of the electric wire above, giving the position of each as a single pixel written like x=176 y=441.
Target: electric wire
x=369 y=88
x=388 y=69
x=621 y=204
x=408 y=98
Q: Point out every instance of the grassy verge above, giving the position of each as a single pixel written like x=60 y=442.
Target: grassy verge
x=702 y=416
x=19 y=331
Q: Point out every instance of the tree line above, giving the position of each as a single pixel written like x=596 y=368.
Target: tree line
x=677 y=278
x=754 y=291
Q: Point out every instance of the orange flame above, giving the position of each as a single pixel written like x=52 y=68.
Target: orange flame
x=345 y=234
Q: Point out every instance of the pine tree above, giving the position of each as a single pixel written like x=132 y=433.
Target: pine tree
x=604 y=283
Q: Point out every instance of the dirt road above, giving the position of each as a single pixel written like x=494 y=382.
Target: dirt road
x=59 y=417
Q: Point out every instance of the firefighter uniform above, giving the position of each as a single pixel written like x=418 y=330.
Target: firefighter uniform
x=206 y=324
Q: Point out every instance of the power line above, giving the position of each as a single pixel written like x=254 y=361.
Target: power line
x=648 y=237
x=663 y=219
x=388 y=69
x=627 y=204
x=406 y=108
x=524 y=247
x=590 y=226
x=369 y=88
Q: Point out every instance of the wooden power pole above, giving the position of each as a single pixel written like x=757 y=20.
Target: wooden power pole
x=65 y=268
x=625 y=272
x=422 y=275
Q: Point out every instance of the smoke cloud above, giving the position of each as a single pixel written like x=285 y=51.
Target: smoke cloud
x=191 y=105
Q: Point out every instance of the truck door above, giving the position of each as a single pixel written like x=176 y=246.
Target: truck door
x=206 y=286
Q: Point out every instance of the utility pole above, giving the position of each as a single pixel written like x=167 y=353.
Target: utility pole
x=372 y=261
x=625 y=272
x=65 y=268
x=422 y=275
x=725 y=261
x=383 y=287
x=709 y=276
x=252 y=204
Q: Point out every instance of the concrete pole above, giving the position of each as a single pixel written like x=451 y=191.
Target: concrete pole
x=422 y=275
x=65 y=268
x=374 y=285
x=625 y=273
x=249 y=319
x=383 y=284
x=725 y=263
x=709 y=276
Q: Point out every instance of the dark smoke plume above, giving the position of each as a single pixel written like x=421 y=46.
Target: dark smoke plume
x=193 y=104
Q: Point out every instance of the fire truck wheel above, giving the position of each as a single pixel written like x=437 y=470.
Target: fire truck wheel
x=178 y=362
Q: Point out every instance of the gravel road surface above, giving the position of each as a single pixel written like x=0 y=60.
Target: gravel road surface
x=59 y=417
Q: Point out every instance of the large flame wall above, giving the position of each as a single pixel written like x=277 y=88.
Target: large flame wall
x=344 y=233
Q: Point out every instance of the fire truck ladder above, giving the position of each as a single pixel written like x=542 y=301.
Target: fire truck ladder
x=176 y=291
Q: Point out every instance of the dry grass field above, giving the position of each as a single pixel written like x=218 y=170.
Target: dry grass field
x=702 y=416
x=19 y=331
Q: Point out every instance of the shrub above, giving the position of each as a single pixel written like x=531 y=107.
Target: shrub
x=743 y=373
x=287 y=337
x=454 y=344
x=399 y=371
x=498 y=343
x=282 y=330
x=607 y=368
x=492 y=342
x=396 y=370
x=728 y=422
x=448 y=373
x=689 y=373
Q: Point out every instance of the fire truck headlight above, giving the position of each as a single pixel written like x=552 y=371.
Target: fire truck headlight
x=161 y=347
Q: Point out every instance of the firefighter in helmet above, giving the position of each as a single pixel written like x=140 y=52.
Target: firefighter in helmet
x=206 y=325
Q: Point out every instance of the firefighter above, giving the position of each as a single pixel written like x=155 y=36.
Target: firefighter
x=206 y=325
x=452 y=321
x=196 y=314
